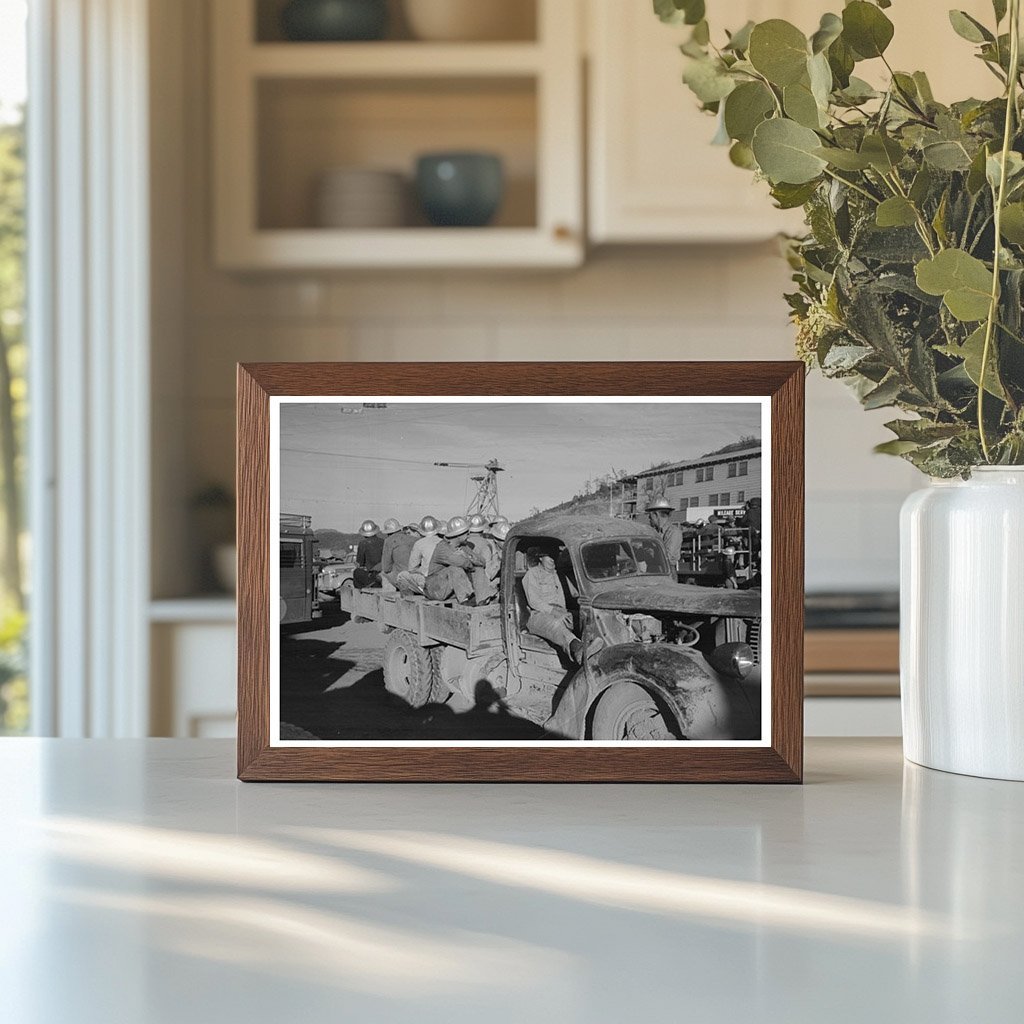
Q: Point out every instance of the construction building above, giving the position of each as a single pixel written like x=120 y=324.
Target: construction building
x=697 y=487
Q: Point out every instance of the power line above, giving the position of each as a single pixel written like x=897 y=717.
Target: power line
x=361 y=458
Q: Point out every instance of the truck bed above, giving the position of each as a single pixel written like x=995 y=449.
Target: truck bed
x=474 y=630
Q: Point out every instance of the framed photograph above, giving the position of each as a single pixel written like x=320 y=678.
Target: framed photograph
x=518 y=572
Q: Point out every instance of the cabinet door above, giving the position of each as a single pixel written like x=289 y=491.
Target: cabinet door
x=653 y=175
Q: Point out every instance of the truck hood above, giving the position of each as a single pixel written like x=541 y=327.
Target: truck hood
x=681 y=597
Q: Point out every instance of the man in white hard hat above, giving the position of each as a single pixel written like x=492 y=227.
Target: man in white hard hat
x=452 y=566
x=368 y=555
x=659 y=512
x=498 y=533
x=481 y=543
x=411 y=580
x=394 y=559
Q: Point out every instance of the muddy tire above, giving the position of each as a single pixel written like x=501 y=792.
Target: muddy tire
x=440 y=692
x=626 y=711
x=408 y=669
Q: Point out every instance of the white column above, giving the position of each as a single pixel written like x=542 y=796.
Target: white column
x=89 y=340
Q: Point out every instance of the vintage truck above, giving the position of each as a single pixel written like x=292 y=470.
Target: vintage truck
x=655 y=672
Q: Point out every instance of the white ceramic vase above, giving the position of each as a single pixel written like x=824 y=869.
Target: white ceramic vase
x=962 y=624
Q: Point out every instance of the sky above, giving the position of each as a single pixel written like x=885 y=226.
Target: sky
x=12 y=56
x=344 y=464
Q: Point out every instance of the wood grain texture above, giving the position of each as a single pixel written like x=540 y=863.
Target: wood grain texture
x=852 y=650
x=782 y=762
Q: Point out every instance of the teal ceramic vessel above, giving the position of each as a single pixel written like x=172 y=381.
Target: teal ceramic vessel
x=461 y=190
x=334 y=21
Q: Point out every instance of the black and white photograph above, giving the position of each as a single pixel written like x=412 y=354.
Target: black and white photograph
x=557 y=571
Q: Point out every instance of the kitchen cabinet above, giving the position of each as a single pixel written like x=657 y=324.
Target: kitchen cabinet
x=286 y=113
x=653 y=175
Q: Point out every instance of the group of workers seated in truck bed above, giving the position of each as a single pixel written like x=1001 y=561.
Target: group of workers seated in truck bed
x=459 y=558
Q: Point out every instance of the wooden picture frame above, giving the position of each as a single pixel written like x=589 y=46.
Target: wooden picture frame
x=779 y=759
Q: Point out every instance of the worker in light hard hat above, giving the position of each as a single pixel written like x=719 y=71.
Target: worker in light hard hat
x=398 y=544
x=483 y=575
x=412 y=579
x=659 y=514
x=368 y=556
x=452 y=568
x=497 y=533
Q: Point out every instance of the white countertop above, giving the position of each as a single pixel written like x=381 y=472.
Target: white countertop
x=143 y=885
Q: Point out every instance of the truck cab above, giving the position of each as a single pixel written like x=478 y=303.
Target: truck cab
x=299 y=569
x=658 y=674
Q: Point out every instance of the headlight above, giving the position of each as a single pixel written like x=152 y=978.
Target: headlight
x=736 y=660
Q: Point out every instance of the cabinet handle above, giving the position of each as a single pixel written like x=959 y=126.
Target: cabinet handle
x=563 y=232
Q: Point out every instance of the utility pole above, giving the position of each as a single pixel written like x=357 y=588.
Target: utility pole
x=485 y=501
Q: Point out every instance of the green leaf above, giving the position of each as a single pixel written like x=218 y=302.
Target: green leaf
x=1012 y=224
x=947 y=156
x=800 y=105
x=971 y=352
x=883 y=153
x=820 y=77
x=896 y=212
x=708 y=80
x=829 y=30
x=785 y=152
x=745 y=108
x=885 y=394
x=963 y=281
x=701 y=33
x=999 y=6
x=841 y=60
x=976 y=173
x=739 y=41
x=924 y=87
x=895 y=447
x=778 y=50
x=1014 y=169
x=844 y=159
x=789 y=197
x=923 y=431
x=969 y=28
x=921 y=185
x=866 y=29
x=675 y=12
x=741 y=155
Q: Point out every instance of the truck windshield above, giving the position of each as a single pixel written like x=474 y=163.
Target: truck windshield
x=613 y=559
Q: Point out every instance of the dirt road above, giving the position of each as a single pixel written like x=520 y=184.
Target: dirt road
x=332 y=688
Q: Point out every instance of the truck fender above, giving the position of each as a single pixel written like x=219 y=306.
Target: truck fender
x=701 y=701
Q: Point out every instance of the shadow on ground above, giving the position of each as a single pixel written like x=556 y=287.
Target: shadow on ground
x=319 y=701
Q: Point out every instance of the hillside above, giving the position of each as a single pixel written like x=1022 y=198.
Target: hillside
x=334 y=541
x=598 y=501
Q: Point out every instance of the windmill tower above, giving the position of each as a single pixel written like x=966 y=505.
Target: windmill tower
x=485 y=501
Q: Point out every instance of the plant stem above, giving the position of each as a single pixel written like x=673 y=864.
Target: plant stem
x=993 y=309
x=855 y=187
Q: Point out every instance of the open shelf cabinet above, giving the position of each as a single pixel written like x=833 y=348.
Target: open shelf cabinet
x=285 y=113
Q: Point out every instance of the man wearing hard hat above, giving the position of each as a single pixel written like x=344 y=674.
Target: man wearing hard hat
x=452 y=568
x=368 y=556
x=398 y=542
x=411 y=580
x=658 y=513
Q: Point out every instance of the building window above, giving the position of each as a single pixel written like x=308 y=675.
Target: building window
x=699 y=476
x=724 y=498
x=709 y=473
x=742 y=471
x=732 y=469
x=712 y=499
x=741 y=496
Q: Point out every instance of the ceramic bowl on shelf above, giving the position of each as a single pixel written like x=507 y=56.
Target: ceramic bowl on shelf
x=361 y=198
x=471 y=20
x=332 y=21
x=460 y=189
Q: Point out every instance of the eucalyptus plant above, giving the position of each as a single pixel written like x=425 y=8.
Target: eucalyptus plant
x=909 y=280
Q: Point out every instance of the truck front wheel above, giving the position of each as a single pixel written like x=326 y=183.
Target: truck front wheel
x=407 y=669
x=626 y=711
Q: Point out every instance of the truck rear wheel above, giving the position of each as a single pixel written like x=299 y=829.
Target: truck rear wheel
x=626 y=711
x=408 y=669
